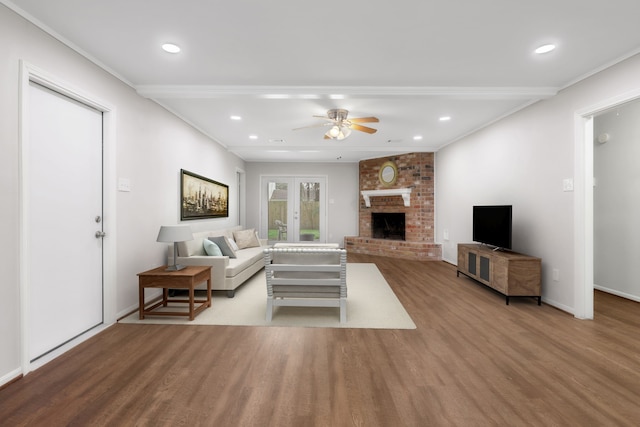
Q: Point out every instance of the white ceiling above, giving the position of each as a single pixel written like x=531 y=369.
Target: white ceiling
x=277 y=63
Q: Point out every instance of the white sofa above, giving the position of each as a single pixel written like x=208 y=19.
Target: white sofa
x=226 y=273
x=311 y=275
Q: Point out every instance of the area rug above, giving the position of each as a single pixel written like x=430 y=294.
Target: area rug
x=370 y=304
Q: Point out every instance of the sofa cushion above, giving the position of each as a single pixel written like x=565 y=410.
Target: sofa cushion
x=246 y=238
x=211 y=248
x=223 y=244
x=245 y=258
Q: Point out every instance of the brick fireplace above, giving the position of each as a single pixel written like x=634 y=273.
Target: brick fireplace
x=415 y=182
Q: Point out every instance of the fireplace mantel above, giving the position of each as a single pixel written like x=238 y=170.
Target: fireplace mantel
x=404 y=192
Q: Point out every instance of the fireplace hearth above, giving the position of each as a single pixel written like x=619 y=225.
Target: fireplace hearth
x=388 y=226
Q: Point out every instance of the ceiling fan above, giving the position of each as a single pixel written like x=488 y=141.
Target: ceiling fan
x=341 y=126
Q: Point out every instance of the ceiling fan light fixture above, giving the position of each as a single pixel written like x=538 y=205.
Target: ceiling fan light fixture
x=334 y=132
x=344 y=132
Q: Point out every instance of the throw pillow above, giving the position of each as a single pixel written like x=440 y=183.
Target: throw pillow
x=246 y=238
x=223 y=244
x=211 y=248
x=233 y=244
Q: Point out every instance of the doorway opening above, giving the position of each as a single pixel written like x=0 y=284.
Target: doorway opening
x=584 y=202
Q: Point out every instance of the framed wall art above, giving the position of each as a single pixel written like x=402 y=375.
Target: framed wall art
x=202 y=197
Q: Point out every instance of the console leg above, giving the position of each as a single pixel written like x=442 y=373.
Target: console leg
x=540 y=300
x=507 y=297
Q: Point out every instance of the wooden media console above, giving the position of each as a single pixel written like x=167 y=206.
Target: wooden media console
x=510 y=273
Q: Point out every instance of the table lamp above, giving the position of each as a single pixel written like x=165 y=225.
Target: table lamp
x=174 y=234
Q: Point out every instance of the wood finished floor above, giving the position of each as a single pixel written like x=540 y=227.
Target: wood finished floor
x=472 y=361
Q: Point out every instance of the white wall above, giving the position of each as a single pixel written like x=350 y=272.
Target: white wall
x=617 y=201
x=152 y=146
x=522 y=160
x=342 y=193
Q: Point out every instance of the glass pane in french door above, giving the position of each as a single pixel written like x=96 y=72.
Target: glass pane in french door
x=309 y=208
x=277 y=211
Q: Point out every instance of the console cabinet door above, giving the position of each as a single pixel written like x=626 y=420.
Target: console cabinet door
x=500 y=279
x=472 y=263
x=485 y=268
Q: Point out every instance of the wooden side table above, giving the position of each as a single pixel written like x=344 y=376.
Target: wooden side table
x=188 y=278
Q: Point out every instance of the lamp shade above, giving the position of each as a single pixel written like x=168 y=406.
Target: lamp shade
x=174 y=233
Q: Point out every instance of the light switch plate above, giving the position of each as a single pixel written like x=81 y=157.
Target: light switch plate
x=567 y=184
x=124 y=184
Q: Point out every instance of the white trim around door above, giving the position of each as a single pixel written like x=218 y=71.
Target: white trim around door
x=583 y=202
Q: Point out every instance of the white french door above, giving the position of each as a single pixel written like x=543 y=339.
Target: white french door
x=63 y=192
x=294 y=209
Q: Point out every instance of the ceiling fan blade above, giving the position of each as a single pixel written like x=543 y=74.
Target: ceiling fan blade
x=363 y=128
x=314 y=126
x=325 y=118
x=365 y=120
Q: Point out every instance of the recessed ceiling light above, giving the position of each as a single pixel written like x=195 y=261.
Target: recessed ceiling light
x=417 y=137
x=545 y=48
x=171 y=48
x=444 y=118
x=253 y=136
x=235 y=118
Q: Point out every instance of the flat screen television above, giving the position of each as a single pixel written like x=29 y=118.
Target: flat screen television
x=492 y=225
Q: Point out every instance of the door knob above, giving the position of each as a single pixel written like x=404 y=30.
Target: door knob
x=100 y=234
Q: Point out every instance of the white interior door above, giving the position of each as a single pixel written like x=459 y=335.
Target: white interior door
x=294 y=209
x=64 y=199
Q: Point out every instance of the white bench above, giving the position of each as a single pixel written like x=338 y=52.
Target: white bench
x=308 y=275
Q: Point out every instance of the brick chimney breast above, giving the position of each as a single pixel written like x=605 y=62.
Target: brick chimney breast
x=415 y=171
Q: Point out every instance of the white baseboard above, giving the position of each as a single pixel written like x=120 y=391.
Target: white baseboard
x=559 y=306
x=148 y=297
x=5 y=379
x=635 y=298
